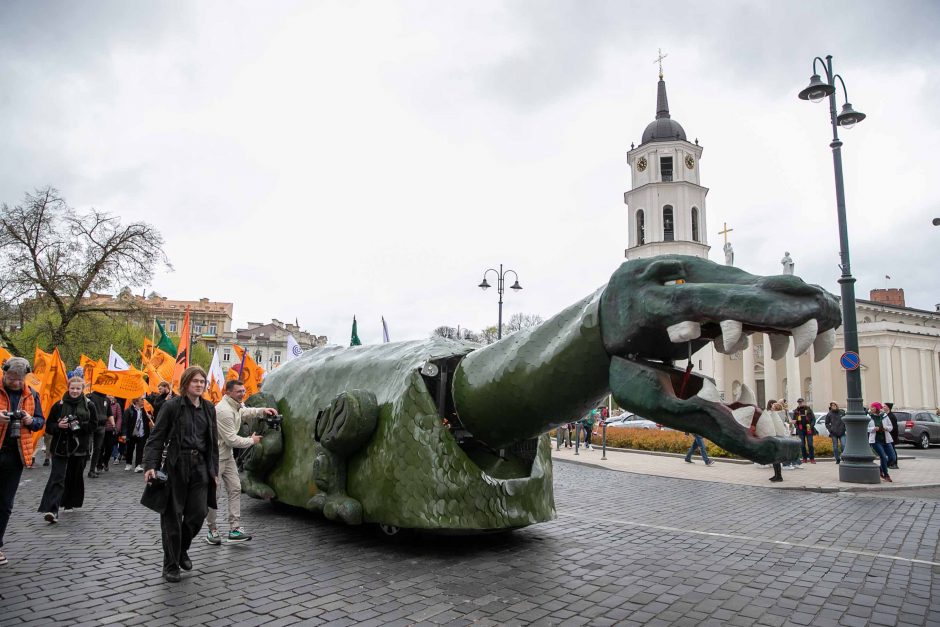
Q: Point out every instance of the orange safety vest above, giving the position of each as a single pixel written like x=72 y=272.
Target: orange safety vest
x=27 y=404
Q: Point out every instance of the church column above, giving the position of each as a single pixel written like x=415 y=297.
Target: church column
x=822 y=384
x=926 y=368
x=770 y=372
x=907 y=396
x=718 y=360
x=887 y=374
x=794 y=378
x=747 y=375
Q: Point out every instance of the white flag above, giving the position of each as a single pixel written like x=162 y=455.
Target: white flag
x=293 y=348
x=215 y=372
x=115 y=361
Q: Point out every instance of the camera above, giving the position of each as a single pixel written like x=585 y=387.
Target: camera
x=274 y=421
x=73 y=423
x=16 y=423
x=159 y=478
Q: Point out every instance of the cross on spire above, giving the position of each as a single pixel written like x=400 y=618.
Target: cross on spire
x=725 y=232
x=659 y=60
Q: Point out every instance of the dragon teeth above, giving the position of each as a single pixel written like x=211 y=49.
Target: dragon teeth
x=744 y=415
x=709 y=392
x=778 y=346
x=684 y=331
x=823 y=344
x=804 y=336
x=746 y=397
x=731 y=334
x=740 y=346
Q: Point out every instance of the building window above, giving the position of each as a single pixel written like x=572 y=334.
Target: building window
x=640 y=228
x=212 y=329
x=665 y=168
x=257 y=356
x=172 y=326
x=695 y=235
x=669 y=233
x=226 y=354
x=197 y=328
x=277 y=357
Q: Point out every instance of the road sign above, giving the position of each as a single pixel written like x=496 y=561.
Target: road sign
x=850 y=360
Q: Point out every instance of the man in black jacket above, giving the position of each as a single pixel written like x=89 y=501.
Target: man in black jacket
x=103 y=409
x=186 y=428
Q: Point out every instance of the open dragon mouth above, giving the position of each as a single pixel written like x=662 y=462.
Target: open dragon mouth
x=686 y=401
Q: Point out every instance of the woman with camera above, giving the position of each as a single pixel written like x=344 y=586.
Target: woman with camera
x=72 y=423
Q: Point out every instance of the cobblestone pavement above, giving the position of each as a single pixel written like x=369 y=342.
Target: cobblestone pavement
x=626 y=549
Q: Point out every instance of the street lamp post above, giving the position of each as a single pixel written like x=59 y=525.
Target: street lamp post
x=500 y=286
x=857 y=460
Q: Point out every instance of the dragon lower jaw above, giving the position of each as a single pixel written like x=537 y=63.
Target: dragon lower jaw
x=689 y=402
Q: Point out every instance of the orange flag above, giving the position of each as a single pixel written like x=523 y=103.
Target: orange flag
x=182 y=353
x=54 y=383
x=120 y=383
x=252 y=375
x=4 y=354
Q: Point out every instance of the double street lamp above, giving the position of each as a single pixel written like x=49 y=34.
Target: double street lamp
x=500 y=287
x=856 y=466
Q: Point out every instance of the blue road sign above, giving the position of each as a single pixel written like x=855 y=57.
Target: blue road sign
x=850 y=360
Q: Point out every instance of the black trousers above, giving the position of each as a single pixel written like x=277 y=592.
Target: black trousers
x=135 y=448
x=97 y=451
x=66 y=486
x=107 y=446
x=186 y=509
x=11 y=468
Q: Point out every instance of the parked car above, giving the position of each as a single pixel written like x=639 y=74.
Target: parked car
x=631 y=421
x=920 y=427
x=821 y=424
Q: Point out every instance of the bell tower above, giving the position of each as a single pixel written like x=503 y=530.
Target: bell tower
x=666 y=203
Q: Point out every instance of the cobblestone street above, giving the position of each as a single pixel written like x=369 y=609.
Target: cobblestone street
x=625 y=549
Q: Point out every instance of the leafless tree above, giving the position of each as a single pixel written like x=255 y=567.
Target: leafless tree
x=519 y=321
x=55 y=256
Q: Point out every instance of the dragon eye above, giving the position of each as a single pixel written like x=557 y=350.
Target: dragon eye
x=675 y=282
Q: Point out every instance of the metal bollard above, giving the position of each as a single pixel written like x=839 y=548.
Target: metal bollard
x=577 y=441
x=604 y=441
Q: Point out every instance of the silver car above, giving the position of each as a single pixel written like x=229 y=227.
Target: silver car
x=631 y=421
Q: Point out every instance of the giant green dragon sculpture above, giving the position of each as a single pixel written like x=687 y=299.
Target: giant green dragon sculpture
x=447 y=435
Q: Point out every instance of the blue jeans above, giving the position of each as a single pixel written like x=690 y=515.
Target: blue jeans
x=882 y=451
x=838 y=446
x=806 y=444
x=697 y=443
x=892 y=454
x=11 y=467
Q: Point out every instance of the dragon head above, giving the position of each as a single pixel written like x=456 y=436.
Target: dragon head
x=658 y=310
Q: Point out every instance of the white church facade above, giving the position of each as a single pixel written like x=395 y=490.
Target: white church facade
x=899 y=346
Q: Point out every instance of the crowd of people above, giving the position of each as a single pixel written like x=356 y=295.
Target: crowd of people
x=182 y=444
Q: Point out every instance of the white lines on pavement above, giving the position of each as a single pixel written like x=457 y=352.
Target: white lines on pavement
x=732 y=536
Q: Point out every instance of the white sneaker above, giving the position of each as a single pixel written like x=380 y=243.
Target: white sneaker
x=49 y=517
x=139 y=469
x=127 y=467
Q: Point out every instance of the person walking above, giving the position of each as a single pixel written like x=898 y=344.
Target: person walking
x=836 y=428
x=137 y=424
x=110 y=435
x=229 y=415
x=697 y=443
x=563 y=435
x=805 y=421
x=103 y=409
x=879 y=435
x=72 y=423
x=587 y=425
x=20 y=414
x=186 y=431
x=892 y=449
x=772 y=422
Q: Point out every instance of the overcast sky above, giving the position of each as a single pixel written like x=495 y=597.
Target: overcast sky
x=315 y=160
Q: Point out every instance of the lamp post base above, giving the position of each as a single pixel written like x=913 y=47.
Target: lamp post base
x=859 y=472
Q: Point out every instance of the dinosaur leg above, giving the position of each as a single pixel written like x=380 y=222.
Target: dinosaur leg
x=258 y=462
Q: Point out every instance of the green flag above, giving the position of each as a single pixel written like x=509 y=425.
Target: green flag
x=165 y=343
x=354 y=340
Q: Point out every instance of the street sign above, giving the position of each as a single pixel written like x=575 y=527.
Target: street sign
x=850 y=360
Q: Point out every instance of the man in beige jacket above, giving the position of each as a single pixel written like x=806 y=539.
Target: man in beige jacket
x=229 y=414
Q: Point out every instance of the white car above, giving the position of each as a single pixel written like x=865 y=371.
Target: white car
x=821 y=424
